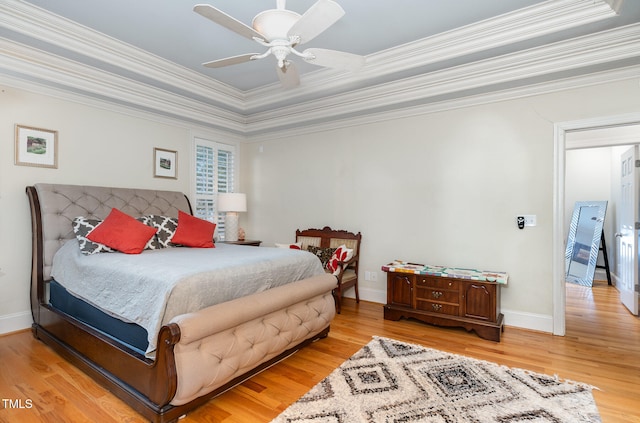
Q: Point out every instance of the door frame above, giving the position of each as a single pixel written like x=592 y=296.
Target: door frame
x=558 y=248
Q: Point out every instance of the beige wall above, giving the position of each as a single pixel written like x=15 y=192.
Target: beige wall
x=96 y=147
x=442 y=188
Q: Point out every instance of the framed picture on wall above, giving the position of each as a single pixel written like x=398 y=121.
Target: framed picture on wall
x=165 y=163
x=36 y=147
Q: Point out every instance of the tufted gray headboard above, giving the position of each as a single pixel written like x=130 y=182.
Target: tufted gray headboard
x=57 y=205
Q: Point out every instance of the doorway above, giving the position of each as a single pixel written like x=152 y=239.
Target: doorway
x=592 y=178
x=596 y=133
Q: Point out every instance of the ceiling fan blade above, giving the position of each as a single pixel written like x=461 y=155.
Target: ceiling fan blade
x=334 y=59
x=234 y=60
x=289 y=77
x=318 y=18
x=227 y=21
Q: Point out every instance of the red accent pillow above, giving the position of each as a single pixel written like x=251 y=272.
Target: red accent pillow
x=341 y=255
x=122 y=232
x=193 y=232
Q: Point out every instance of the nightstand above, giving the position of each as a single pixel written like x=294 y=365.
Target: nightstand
x=251 y=242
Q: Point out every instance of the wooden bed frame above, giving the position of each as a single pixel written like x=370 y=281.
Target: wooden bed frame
x=156 y=388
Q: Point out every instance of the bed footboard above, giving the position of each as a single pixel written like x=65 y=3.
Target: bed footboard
x=222 y=342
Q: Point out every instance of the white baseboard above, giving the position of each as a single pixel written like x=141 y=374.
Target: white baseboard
x=533 y=321
x=372 y=295
x=15 y=322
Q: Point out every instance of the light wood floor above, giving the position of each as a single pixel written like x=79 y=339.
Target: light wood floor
x=602 y=348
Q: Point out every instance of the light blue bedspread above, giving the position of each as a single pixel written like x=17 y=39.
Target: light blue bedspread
x=153 y=287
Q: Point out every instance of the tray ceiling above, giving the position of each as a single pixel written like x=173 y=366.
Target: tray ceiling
x=148 y=55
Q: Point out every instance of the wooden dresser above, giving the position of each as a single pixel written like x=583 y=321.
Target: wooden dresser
x=446 y=297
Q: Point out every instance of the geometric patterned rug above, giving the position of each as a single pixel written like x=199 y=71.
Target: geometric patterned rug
x=392 y=381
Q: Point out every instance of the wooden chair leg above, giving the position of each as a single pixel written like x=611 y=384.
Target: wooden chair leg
x=337 y=297
x=357 y=294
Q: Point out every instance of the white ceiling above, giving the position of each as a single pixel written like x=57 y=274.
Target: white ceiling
x=147 y=54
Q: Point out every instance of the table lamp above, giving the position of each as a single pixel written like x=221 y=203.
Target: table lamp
x=231 y=203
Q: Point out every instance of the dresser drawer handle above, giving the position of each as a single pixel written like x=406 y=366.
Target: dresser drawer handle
x=436 y=307
x=436 y=294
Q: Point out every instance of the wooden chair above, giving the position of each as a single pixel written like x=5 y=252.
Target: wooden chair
x=330 y=238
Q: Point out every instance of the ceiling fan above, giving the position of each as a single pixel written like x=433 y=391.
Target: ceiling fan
x=281 y=30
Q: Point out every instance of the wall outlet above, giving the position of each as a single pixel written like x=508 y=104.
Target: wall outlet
x=370 y=276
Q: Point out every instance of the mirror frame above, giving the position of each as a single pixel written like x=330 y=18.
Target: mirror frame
x=594 y=248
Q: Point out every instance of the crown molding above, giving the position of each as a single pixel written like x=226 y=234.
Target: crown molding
x=38 y=65
x=100 y=103
x=527 y=23
x=615 y=4
x=523 y=24
x=622 y=74
x=38 y=23
x=520 y=25
x=238 y=118
x=595 y=49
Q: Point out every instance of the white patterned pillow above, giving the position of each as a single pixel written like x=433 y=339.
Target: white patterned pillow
x=83 y=227
x=342 y=254
x=153 y=243
x=165 y=228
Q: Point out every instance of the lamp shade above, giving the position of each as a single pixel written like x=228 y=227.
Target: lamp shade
x=232 y=202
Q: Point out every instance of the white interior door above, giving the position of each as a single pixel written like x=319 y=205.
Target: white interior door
x=627 y=234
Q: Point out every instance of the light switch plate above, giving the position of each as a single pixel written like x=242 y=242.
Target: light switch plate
x=530 y=220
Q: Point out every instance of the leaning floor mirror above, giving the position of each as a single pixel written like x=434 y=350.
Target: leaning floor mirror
x=583 y=241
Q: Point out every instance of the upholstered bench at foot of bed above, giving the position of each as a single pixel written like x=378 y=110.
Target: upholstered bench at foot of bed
x=221 y=342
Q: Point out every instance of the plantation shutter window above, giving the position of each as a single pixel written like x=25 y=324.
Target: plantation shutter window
x=214 y=173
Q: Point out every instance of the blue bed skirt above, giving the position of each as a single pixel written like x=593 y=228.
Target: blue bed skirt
x=132 y=335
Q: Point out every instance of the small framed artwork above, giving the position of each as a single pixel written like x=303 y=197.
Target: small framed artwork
x=36 y=147
x=165 y=163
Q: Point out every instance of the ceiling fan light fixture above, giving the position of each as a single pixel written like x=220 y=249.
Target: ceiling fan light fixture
x=280 y=52
x=281 y=31
x=275 y=24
